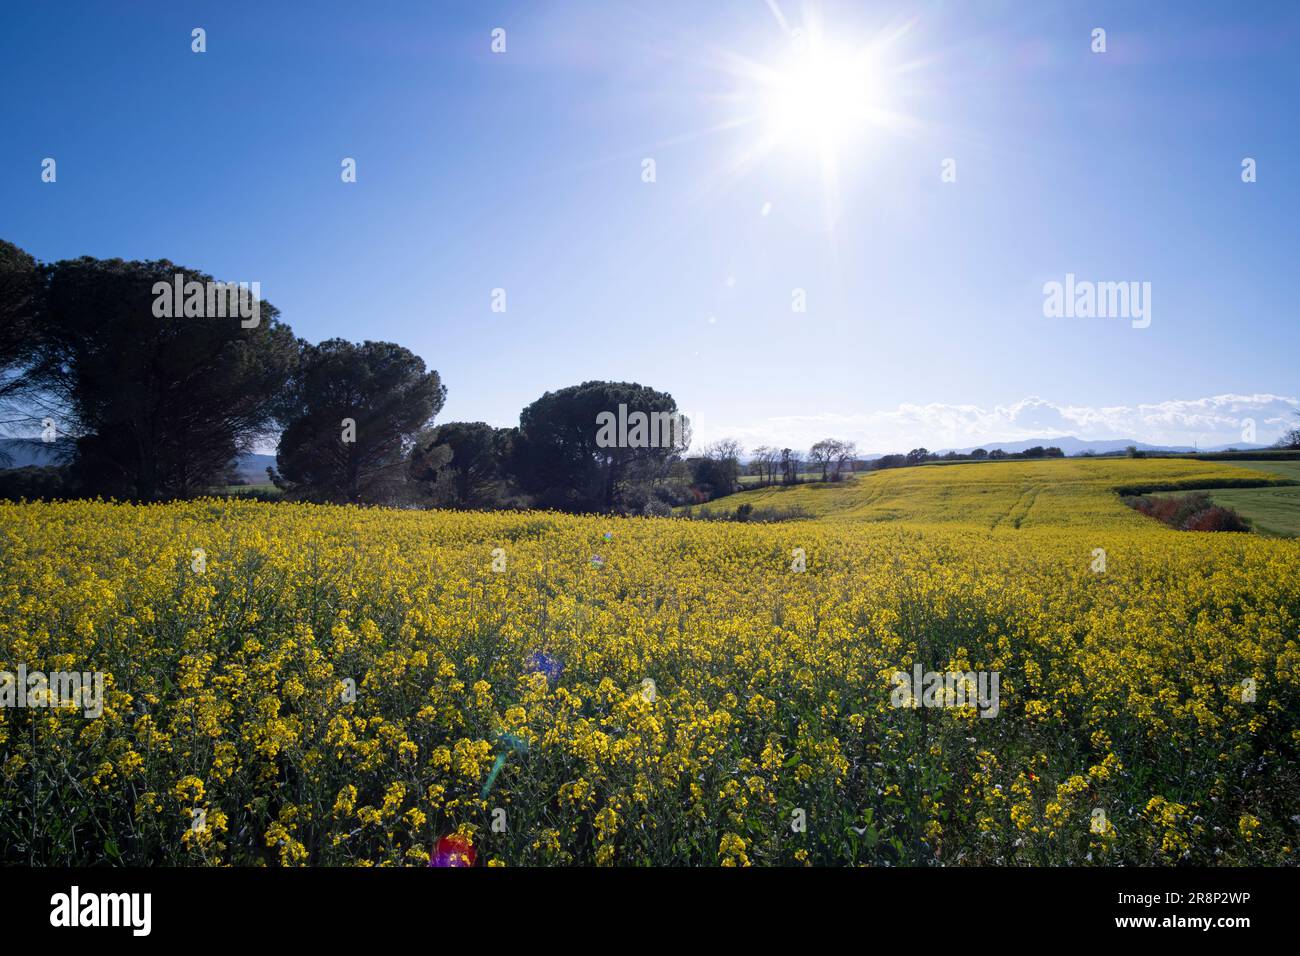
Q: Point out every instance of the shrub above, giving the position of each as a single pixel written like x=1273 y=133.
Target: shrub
x=1191 y=512
x=1216 y=518
x=34 y=483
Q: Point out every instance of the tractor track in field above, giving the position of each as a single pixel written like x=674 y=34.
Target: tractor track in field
x=1016 y=513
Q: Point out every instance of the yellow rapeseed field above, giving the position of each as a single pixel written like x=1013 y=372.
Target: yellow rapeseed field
x=296 y=684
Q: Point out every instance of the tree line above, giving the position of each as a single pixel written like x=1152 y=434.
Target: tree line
x=919 y=456
x=139 y=402
x=143 y=403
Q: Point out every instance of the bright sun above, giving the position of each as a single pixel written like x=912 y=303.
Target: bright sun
x=822 y=100
x=827 y=106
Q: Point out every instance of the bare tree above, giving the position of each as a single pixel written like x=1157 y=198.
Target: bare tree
x=791 y=464
x=844 y=454
x=1289 y=439
x=763 y=462
x=824 y=453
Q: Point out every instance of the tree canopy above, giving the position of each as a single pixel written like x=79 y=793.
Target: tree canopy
x=463 y=464
x=563 y=454
x=350 y=419
x=157 y=406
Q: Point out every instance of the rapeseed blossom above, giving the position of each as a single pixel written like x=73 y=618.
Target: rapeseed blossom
x=338 y=683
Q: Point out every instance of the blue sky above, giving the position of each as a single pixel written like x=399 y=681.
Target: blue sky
x=523 y=170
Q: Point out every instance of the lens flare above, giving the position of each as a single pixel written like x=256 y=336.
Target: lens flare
x=453 y=850
x=539 y=662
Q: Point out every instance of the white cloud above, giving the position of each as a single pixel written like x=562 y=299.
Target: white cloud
x=1216 y=420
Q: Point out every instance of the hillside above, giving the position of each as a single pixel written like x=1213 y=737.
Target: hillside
x=1015 y=494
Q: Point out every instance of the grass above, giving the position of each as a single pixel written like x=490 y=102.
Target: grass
x=748 y=481
x=260 y=488
x=1287 y=469
x=1012 y=494
x=1271 y=511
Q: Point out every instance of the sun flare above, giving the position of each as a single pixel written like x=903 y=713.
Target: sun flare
x=824 y=107
x=823 y=99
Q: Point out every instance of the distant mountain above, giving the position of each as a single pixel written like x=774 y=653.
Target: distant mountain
x=1236 y=446
x=1077 y=446
x=22 y=452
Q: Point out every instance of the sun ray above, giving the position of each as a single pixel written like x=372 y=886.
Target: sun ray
x=819 y=107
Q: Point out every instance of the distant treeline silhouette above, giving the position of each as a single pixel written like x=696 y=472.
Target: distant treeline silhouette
x=140 y=397
x=148 y=381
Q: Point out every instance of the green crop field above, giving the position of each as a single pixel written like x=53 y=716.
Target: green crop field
x=1271 y=511
x=1010 y=494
